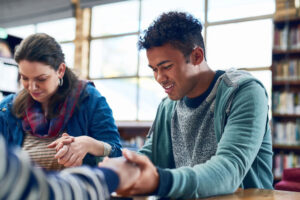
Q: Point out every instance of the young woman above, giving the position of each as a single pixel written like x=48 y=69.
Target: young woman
x=54 y=102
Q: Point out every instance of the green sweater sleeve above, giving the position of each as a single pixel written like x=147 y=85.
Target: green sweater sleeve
x=151 y=148
x=238 y=147
x=147 y=147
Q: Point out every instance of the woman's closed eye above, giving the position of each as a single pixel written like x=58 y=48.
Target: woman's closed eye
x=24 y=78
x=41 y=79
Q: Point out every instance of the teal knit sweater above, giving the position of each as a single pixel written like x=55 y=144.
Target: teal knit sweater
x=244 y=152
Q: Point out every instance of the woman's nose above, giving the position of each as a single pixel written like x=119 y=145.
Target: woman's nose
x=32 y=85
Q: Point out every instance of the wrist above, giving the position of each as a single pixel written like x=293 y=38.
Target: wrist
x=88 y=143
x=157 y=180
x=96 y=147
x=162 y=190
x=106 y=149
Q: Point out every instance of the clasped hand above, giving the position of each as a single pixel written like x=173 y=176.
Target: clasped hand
x=147 y=180
x=70 y=150
x=136 y=172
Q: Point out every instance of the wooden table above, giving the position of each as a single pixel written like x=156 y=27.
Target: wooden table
x=248 y=194
x=259 y=194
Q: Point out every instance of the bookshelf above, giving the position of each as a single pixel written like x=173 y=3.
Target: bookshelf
x=8 y=67
x=286 y=87
x=133 y=134
x=8 y=77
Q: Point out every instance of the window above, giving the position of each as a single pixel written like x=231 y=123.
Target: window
x=62 y=30
x=220 y=10
x=240 y=45
x=114 y=57
x=115 y=18
x=116 y=66
x=121 y=95
x=150 y=9
x=237 y=34
x=21 y=31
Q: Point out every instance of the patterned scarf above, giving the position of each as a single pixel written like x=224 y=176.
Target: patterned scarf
x=38 y=125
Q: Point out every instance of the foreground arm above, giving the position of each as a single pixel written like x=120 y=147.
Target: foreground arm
x=148 y=178
x=19 y=180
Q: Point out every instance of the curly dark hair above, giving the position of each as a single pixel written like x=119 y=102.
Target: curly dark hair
x=181 y=30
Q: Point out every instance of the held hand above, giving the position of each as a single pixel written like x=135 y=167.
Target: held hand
x=65 y=139
x=128 y=173
x=72 y=154
x=149 y=177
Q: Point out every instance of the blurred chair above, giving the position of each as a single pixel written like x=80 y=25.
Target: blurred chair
x=290 y=180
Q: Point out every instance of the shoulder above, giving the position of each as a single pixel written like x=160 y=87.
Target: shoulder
x=7 y=101
x=91 y=97
x=233 y=77
x=6 y=106
x=238 y=86
x=90 y=93
x=236 y=80
x=90 y=89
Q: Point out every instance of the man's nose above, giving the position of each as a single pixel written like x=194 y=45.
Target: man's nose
x=160 y=77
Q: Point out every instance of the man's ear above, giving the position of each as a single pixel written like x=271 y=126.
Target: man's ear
x=61 y=70
x=197 y=56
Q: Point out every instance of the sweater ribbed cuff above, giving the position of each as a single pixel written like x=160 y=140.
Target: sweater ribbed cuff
x=165 y=182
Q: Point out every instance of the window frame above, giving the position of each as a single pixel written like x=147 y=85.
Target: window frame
x=206 y=24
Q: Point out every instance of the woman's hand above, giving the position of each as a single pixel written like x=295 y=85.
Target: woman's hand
x=71 y=150
x=65 y=139
x=72 y=154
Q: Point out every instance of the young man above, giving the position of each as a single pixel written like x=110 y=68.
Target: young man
x=20 y=180
x=212 y=135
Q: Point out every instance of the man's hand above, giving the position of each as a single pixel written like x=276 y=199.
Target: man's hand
x=149 y=178
x=128 y=172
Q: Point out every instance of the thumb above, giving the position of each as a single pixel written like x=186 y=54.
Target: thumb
x=65 y=134
x=134 y=157
x=53 y=144
x=105 y=159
